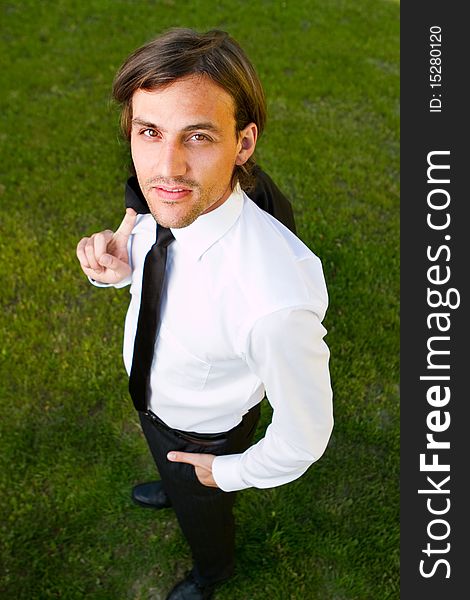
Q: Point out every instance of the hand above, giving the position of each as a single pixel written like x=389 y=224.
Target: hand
x=103 y=256
x=201 y=462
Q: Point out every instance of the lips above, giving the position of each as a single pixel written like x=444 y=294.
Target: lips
x=172 y=193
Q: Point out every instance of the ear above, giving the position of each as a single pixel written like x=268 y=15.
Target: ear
x=246 y=143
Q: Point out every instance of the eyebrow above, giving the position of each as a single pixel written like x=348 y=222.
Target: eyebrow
x=204 y=125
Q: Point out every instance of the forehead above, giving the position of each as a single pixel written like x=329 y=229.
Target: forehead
x=188 y=100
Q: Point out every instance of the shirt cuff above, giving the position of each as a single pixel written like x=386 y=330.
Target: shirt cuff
x=226 y=473
x=120 y=284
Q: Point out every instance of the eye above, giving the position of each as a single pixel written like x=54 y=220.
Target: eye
x=199 y=137
x=151 y=133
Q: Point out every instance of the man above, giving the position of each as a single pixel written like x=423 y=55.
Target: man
x=239 y=314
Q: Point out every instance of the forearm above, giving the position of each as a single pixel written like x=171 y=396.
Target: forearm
x=295 y=371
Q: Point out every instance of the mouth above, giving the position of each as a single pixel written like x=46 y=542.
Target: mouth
x=171 y=193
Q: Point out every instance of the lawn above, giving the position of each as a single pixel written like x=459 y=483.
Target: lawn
x=71 y=447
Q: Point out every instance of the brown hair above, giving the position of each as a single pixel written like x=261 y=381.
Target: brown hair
x=181 y=52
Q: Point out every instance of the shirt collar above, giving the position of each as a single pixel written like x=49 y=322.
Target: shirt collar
x=197 y=238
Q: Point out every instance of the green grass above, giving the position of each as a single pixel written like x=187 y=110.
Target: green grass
x=70 y=443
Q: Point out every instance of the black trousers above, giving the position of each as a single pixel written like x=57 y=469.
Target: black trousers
x=204 y=513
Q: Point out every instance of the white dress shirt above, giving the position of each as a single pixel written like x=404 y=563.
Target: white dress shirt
x=241 y=317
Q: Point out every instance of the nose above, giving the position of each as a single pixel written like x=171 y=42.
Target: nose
x=171 y=160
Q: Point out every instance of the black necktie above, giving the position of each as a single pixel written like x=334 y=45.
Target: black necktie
x=150 y=300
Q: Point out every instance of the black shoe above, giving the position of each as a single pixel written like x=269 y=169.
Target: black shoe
x=150 y=495
x=190 y=589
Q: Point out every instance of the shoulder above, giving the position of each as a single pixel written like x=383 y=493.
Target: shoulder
x=267 y=229
x=275 y=268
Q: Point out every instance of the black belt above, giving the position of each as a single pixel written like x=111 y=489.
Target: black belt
x=186 y=435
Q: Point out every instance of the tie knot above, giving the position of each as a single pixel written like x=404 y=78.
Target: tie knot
x=164 y=236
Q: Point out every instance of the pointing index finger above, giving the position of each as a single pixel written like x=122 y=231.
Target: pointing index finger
x=127 y=224
x=187 y=457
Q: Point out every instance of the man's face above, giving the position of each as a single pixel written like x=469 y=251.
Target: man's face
x=184 y=147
